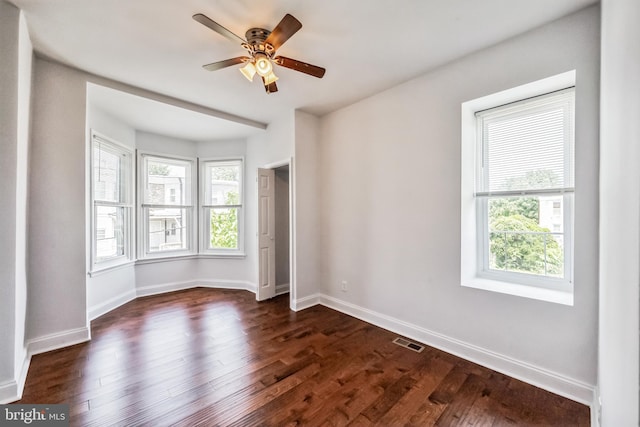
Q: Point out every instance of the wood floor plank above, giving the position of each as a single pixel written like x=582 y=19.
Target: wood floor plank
x=217 y=357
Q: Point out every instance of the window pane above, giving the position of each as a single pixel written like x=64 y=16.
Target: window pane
x=167 y=182
x=529 y=146
x=526 y=152
x=223 y=179
x=167 y=229
x=525 y=235
x=107 y=174
x=223 y=228
x=109 y=223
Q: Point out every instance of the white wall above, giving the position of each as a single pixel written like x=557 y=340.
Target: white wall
x=9 y=81
x=389 y=185
x=15 y=92
x=25 y=68
x=618 y=370
x=306 y=205
x=109 y=126
x=57 y=204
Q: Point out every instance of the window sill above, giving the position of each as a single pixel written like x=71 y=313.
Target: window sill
x=107 y=269
x=187 y=257
x=525 y=291
x=238 y=255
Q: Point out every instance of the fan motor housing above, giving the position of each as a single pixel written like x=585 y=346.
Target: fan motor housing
x=256 y=36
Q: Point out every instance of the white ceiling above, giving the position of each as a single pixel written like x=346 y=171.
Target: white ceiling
x=366 y=46
x=157 y=117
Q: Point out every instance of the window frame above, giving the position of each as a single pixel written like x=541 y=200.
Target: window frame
x=143 y=208
x=561 y=284
x=203 y=209
x=532 y=105
x=474 y=210
x=125 y=202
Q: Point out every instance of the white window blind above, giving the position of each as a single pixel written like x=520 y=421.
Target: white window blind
x=527 y=147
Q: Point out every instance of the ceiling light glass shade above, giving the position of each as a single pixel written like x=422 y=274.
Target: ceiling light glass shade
x=249 y=70
x=270 y=78
x=263 y=65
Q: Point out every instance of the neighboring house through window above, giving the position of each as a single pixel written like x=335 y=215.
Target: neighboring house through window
x=112 y=195
x=166 y=208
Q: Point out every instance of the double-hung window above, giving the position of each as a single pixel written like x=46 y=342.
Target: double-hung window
x=167 y=206
x=517 y=190
x=524 y=190
x=112 y=196
x=221 y=204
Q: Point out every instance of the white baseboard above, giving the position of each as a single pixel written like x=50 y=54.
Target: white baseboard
x=178 y=286
x=9 y=392
x=282 y=288
x=228 y=284
x=596 y=408
x=537 y=376
x=112 y=303
x=23 y=374
x=306 y=302
x=162 y=288
x=58 y=340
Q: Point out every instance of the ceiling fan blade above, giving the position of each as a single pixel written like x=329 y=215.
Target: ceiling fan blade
x=285 y=29
x=226 y=63
x=303 y=67
x=269 y=88
x=218 y=28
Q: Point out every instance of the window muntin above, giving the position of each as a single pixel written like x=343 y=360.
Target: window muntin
x=111 y=194
x=166 y=205
x=221 y=206
x=524 y=190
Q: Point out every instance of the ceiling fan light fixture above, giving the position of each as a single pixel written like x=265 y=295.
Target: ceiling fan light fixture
x=263 y=66
x=249 y=70
x=270 y=78
x=261 y=46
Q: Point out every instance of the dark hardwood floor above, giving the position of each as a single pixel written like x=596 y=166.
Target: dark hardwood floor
x=217 y=357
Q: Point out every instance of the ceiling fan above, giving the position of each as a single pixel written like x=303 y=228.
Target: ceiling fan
x=261 y=46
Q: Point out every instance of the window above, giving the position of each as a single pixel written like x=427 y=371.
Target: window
x=111 y=194
x=517 y=191
x=166 y=208
x=525 y=168
x=221 y=206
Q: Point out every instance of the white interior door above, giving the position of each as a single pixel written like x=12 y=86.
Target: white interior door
x=266 y=235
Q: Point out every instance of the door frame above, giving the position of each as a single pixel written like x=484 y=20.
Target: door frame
x=292 y=226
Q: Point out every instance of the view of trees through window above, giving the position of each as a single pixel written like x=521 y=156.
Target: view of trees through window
x=526 y=233
x=225 y=195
